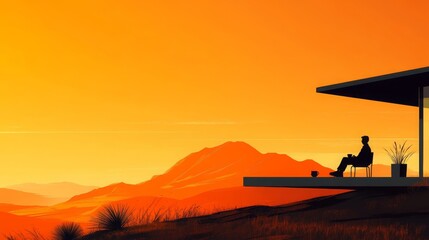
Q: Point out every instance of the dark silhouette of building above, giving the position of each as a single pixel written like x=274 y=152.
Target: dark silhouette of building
x=409 y=88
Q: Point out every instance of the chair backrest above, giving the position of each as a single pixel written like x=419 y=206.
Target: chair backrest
x=371 y=157
x=365 y=162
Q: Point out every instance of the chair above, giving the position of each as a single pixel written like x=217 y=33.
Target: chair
x=363 y=164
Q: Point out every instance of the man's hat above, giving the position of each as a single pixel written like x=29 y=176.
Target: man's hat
x=366 y=138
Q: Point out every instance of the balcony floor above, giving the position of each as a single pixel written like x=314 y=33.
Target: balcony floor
x=333 y=182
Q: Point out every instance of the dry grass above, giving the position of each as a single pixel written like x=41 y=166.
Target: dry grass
x=147 y=215
x=114 y=217
x=32 y=234
x=263 y=227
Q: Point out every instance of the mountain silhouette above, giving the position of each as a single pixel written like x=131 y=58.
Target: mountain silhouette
x=211 y=178
x=213 y=168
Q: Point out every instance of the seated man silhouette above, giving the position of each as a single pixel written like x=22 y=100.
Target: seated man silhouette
x=363 y=155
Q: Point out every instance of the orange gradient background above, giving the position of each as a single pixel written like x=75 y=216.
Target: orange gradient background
x=97 y=92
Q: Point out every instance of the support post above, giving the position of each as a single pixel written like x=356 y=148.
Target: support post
x=421 y=129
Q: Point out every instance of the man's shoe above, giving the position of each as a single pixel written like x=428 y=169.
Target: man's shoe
x=336 y=174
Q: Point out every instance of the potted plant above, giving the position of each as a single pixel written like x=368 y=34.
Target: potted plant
x=399 y=154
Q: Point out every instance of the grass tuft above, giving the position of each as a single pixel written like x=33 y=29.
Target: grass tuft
x=68 y=231
x=399 y=153
x=113 y=217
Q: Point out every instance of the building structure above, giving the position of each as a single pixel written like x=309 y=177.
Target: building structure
x=407 y=88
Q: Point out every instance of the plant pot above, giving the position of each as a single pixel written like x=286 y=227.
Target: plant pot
x=399 y=170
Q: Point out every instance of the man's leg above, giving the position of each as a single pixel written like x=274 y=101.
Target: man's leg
x=344 y=162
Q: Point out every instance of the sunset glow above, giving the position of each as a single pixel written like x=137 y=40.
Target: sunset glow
x=98 y=92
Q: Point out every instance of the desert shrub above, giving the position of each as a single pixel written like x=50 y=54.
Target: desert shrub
x=68 y=231
x=113 y=217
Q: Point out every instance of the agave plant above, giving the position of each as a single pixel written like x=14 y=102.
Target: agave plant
x=113 y=217
x=68 y=231
x=399 y=153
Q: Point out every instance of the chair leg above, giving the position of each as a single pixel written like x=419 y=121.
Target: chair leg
x=371 y=169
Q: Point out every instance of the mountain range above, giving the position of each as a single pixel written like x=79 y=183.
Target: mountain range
x=211 y=178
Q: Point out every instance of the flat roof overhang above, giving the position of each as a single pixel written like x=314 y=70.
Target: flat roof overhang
x=400 y=88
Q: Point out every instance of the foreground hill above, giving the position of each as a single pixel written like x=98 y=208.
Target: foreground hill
x=367 y=214
x=230 y=198
x=12 y=224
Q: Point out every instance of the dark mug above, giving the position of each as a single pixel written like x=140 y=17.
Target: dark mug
x=314 y=173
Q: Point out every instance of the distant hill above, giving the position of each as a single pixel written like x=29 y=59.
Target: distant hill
x=61 y=191
x=7 y=207
x=11 y=196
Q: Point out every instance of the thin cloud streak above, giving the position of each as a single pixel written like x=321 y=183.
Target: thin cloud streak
x=175 y=123
x=185 y=123
x=206 y=123
x=84 y=132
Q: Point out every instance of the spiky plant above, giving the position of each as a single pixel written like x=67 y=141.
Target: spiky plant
x=399 y=153
x=113 y=217
x=68 y=231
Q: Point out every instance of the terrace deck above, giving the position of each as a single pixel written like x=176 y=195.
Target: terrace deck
x=332 y=182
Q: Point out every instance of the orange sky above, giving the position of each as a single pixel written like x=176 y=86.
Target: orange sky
x=97 y=92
